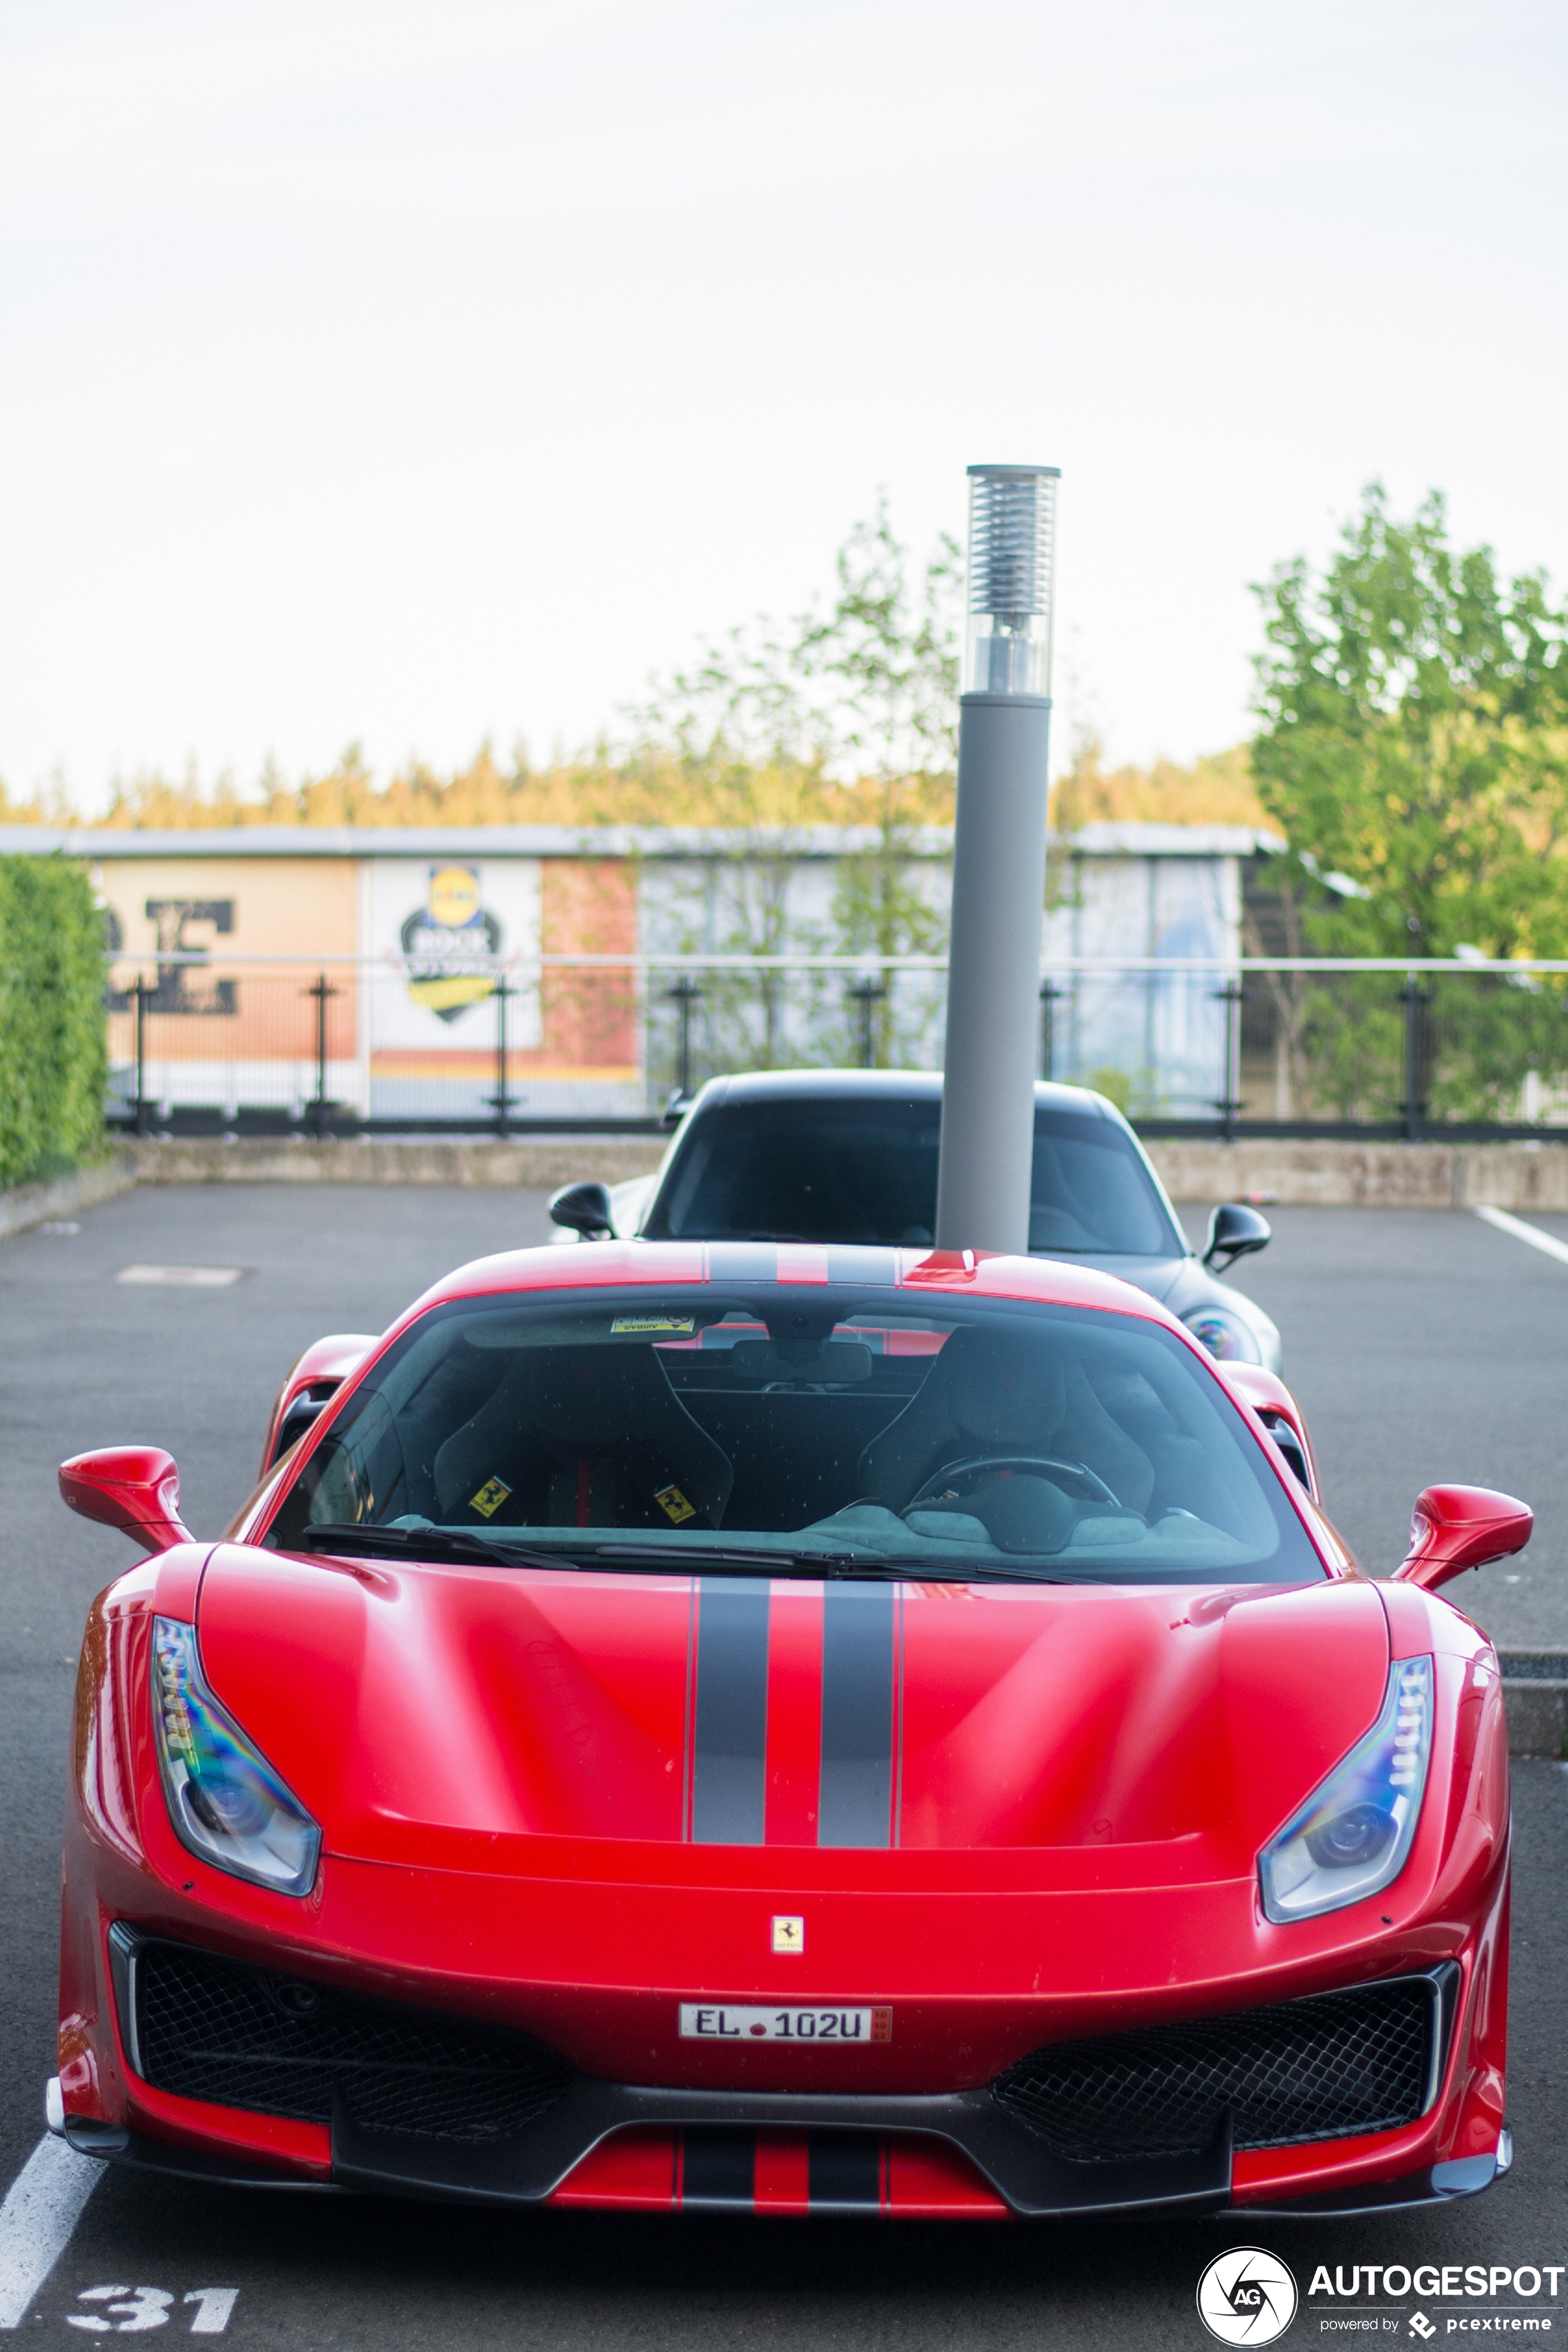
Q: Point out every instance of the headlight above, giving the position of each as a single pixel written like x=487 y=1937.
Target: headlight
x=226 y=1803
x=1222 y=1331
x=1351 y=1838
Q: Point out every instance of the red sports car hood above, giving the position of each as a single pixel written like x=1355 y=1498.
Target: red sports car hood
x=404 y=1704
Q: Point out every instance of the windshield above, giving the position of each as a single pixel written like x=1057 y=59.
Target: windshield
x=794 y=1428
x=865 y=1170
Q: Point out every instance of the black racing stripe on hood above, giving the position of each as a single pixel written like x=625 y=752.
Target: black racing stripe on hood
x=729 y=1738
x=855 y=1806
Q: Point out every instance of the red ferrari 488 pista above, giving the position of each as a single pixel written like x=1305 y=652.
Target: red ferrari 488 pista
x=788 y=1729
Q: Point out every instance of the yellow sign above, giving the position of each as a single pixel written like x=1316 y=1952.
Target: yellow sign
x=453 y=896
x=490 y=1498
x=444 y=939
x=674 y=1506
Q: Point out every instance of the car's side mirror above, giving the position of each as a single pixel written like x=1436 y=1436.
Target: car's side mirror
x=1456 y=1527
x=301 y=1415
x=135 y=1488
x=309 y=1386
x=1235 y=1230
x=584 y=1209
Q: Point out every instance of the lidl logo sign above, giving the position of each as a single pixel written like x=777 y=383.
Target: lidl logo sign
x=446 y=938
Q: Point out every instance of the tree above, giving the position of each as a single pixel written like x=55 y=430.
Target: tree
x=867 y=689
x=884 y=665
x=1415 y=741
x=845 y=716
x=1414 y=751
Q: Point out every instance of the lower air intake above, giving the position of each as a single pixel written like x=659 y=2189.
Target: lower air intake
x=282 y=2045
x=1318 y=2069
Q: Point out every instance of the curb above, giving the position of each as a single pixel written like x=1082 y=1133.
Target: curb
x=1338 y=1174
x=534 y=1163
x=1535 y=1694
x=33 y=1204
x=1298 y=1175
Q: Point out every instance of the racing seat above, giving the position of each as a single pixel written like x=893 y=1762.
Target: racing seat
x=583 y=1437
x=1001 y=1393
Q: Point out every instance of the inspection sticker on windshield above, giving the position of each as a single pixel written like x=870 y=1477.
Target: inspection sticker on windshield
x=654 y=1323
x=729 y=2023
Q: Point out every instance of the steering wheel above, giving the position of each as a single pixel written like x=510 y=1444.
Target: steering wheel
x=955 y=1480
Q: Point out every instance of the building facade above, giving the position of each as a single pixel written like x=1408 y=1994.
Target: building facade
x=418 y=974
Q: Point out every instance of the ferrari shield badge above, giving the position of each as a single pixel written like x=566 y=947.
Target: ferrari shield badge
x=490 y=1497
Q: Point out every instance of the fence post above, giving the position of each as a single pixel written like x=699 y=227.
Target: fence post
x=1049 y=995
x=1414 y=1107
x=867 y=992
x=683 y=995
x=501 y=1098
x=141 y=1054
x=1231 y=1109
x=320 y=991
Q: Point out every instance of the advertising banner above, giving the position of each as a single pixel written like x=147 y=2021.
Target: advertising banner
x=440 y=934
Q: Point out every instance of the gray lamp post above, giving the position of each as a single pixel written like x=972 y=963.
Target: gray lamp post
x=999 y=863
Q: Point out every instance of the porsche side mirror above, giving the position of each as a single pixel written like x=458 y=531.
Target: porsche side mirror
x=584 y=1209
x=1456 y=1527
x=1235 y=1230
x=135 y=1488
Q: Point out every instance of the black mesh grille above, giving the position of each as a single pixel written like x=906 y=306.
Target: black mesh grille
x=210 y=2029
x=1319 y=2069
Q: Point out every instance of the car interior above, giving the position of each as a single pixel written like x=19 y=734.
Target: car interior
x=1043 y=1431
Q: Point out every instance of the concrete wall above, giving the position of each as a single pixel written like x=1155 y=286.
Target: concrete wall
x=535 y=1164
x=1327 y=1175
x=1368 y=1175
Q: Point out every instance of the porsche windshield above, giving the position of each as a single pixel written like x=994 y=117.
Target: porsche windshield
x=864 y=1170
x=791 y=1428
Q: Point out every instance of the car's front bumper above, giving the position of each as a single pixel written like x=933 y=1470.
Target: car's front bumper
x=590 y=1946
x=704 y=2152
x=743 y=2148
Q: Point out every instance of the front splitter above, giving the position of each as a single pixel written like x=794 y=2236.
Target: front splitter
x=389 y=2164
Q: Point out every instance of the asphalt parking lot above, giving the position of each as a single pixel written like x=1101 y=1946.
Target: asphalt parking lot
x=1422 y=1346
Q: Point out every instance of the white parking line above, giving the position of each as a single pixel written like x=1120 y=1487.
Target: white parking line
x=1524 y=1232
x=187 y=1278
x=40 y=2211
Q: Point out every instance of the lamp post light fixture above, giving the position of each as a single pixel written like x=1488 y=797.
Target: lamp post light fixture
x=999 y=863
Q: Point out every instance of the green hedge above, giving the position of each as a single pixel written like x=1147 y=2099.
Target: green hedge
x=53 y=1046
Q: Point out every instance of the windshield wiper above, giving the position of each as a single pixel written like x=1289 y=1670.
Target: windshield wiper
x=428 y=1542
x=776 y=1563
x=431 y=1542
x=832 y=1566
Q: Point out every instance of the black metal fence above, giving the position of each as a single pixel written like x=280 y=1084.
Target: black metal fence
x=1258 y=1045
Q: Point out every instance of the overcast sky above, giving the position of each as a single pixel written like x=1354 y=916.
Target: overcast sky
x=424 y=372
